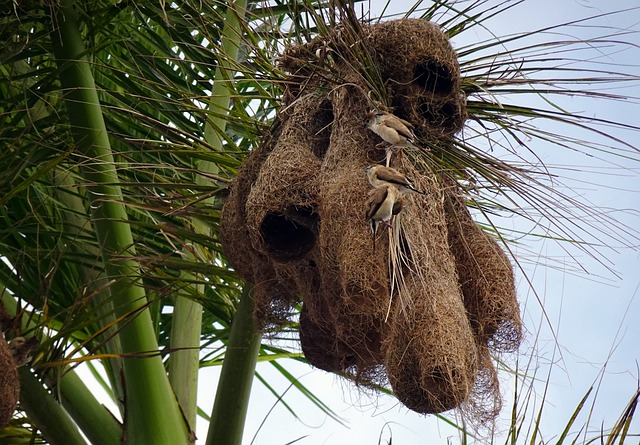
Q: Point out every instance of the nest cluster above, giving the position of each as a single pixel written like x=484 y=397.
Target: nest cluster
x=294 y=227
x=9 y=381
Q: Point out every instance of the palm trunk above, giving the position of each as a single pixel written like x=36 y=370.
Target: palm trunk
x=234 y=387
x=54 y=422
x=184 y=363
x=187 y=316
x=151 y=412
x=75 y=222
x=238 y=369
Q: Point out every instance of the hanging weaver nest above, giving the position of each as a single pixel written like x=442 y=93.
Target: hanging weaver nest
x=423 y=310
x=9 y=383
x=13 y=354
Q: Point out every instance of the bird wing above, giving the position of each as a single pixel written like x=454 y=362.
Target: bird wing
x=400 y=125
x=406 y=123
x=392 y=176
x=376 y=197
x=397 y=205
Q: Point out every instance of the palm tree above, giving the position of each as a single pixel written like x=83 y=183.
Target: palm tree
x=123 y=124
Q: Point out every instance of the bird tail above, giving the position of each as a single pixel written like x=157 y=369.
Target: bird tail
x=374 y=232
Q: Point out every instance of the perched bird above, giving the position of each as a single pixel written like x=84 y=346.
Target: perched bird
x=391 y=129
x=384 y=202
x=379 y=175
x=21 y=349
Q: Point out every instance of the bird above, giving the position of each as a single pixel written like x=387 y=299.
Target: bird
x=379 y=175
x=21 y=349
x=384 y=202
x=391 y=129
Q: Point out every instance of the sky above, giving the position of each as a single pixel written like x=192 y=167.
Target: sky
x=581 y=326
x=576 y=321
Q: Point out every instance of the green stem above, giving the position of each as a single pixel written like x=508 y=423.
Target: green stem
x=223 y=83
x=54 y=422
x=93 y=418
x=184 y=363
x=234 y=387
x=187 y=315
x=152 y=413
x=238 y=369
x=76 y=222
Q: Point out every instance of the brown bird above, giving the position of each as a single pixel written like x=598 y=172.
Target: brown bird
x=379 y=175
x=21 y=349
x=391 y=129
x=384 y=202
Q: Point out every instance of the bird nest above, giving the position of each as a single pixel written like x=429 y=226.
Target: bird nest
x=424 y=309
x=9 y=383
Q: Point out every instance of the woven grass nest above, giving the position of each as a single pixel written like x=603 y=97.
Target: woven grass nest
x=294 y=227
x=9 y=383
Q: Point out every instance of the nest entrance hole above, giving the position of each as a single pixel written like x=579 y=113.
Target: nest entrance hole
x=434 y=77
x=291 y=234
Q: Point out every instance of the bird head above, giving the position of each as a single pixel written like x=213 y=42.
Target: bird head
x=370 y=170
x=371 y=119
